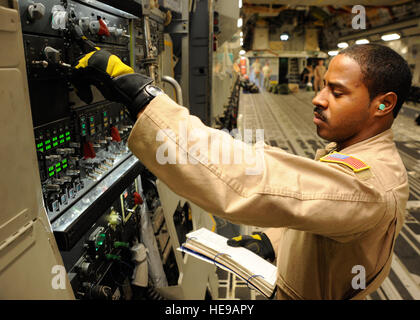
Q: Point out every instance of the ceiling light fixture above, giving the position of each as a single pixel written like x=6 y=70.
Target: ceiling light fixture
x=284 y=36
x=390 y=37
x=240 y=4
x=362 y=41
x=239 y=22
x=332 y=53
x=342 y=45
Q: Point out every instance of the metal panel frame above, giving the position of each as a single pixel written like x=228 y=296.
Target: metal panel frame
x=26 y=238
x=200 y=61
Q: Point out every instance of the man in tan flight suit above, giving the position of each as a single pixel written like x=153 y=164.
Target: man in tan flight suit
x=256 y=68
x=334 y=220
x=266 y=74
x=319 y=74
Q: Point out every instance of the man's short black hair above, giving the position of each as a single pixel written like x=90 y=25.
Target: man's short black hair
x=383 y=70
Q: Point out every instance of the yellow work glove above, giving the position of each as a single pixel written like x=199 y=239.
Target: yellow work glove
x=114 y=79
x=257 y=243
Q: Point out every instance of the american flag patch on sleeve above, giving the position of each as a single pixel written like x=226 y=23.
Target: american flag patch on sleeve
x=349 y=161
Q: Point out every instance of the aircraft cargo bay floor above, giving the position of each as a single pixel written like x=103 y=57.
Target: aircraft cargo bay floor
x=287 y=124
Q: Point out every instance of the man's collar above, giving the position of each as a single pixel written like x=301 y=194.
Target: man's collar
x=357 y=147
x=368 y=143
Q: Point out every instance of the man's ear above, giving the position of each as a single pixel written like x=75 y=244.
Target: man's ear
x=384 y=104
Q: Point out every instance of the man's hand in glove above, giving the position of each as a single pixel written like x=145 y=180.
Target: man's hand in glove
x=116 y=81
x=257 y=243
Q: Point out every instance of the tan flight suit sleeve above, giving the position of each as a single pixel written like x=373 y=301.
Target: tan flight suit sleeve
x=274 y=234
x=288 y=191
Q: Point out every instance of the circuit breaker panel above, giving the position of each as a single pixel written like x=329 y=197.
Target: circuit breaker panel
x=77 y=144
x=116 y=238
x=97 y=195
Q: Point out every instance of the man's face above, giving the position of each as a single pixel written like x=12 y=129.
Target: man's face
x=342 y=108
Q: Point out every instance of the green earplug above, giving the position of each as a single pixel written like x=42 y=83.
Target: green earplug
x=381 y=106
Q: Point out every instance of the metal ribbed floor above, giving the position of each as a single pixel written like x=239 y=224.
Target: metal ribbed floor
x=287 y=123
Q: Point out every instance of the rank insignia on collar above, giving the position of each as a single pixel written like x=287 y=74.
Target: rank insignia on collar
x=336 y=157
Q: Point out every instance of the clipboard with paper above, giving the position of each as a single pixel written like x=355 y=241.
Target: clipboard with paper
x=213 y=248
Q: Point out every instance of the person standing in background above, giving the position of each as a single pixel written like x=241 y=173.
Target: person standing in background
x=241 y=66
x=256 y=67
x=266 y=74
x=308 y=76
x=319 y=73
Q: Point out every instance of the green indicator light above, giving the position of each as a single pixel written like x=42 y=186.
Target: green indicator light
x=121 y=244
x=64 y=161
x=61 y=136
x=41 y=149
x=96 y=249
x=51 y=168
x=84 y=126
x=67 y=133
x=62 y=141
x=58 y=170
x=68 y=138
x=47 y=147
x=100 y=239
x=55 y=144
x=91 y=119
x=113 y=257
x=83 y=132
x=54 y=139
x=39 y=145
x=51 y=174
x=64 y=166
x=57 y=165
x=48 y=142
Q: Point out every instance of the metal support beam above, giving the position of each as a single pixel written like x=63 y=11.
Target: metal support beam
x=200 y=62
x=185 y=78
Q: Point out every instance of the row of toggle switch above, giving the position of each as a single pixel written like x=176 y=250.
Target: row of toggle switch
x=71 y=168
x=99 y=27
x=60 y=18
x=60 y=190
